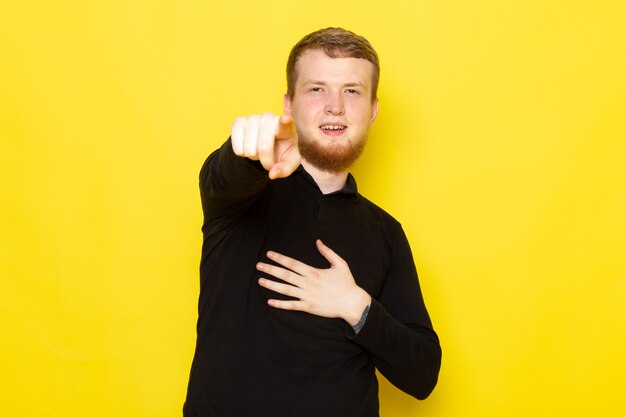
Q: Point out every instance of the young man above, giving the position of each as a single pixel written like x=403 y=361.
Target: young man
x=306 y=286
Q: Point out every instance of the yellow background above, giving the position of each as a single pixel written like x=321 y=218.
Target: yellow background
x=500 y=146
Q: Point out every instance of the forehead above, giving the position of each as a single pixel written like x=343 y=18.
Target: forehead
x=315 y=65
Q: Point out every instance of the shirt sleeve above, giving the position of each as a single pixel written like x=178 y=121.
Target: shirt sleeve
x=359 y=325
x=398 y=332
x=229 y=184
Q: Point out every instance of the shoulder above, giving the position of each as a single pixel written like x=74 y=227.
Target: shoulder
x=388 y=225
x=376 y=211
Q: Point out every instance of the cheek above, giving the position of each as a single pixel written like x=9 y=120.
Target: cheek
x=307 y=111
x=303 y=120
x=359 y=104
x=364 y=112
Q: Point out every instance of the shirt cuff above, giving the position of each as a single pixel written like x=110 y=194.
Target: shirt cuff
x=359 y=325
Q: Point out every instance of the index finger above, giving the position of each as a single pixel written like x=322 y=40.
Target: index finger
x=286 y=128
x=265 y=143
x=294 y=265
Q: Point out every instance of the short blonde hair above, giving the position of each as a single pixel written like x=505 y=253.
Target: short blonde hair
x=336 y=43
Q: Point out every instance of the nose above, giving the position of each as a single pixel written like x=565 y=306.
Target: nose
x=335 y=105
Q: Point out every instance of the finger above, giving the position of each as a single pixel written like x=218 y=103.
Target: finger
x=295 y=305
x=286 y=128
x=284 y=289
x=266 y=134
x=329 y=254
x=236 y=137
x=289 y=158
x=296 y=266
x=251 y=137
x=280 y=273
x=285 y=167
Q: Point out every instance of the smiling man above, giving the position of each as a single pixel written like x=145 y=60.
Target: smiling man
x=306 y=286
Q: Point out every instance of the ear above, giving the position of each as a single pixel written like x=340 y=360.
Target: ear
x=374 y=110
x=287 y=104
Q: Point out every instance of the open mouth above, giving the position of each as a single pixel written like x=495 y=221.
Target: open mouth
x=333 y=128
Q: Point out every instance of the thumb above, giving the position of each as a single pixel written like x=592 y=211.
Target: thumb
x=288 y=163
x=328 y=253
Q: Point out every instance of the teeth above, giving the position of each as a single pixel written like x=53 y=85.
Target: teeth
x=332 y=127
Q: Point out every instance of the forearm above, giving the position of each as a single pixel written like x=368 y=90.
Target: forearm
x=409 y=357
x=228 y=182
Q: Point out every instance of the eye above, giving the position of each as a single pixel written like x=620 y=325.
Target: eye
x=316 y=89
x=352 y=91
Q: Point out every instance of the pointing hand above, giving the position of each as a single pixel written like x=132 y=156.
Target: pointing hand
x=270 y=139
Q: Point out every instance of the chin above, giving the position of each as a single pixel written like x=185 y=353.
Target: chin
x=331 y=155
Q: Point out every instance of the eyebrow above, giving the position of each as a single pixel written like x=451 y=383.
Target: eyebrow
x=316 y=82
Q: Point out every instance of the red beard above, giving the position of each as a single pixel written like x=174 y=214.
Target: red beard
x=330 y=157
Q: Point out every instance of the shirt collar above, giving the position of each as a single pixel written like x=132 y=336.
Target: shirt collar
x=349 y=187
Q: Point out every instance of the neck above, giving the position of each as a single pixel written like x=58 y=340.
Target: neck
x=328 y=182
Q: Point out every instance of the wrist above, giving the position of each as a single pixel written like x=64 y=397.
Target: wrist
x=356 y=306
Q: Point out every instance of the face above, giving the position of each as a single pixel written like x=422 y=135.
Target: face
x=332 y=109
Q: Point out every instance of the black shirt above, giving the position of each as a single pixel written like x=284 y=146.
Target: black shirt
x=253 y=360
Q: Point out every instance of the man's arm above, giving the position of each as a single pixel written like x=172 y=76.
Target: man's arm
x=397 y=331
x=261 y=147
